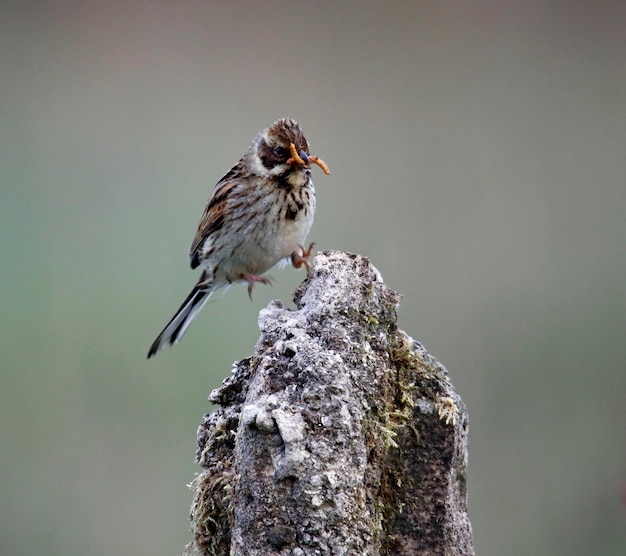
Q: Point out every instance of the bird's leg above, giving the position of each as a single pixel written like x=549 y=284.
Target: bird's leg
x=252 y=278
x=302 y=258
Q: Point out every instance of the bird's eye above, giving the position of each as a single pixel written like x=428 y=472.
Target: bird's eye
x=280 y=151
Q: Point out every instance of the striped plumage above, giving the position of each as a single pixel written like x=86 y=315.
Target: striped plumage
x=259 y=213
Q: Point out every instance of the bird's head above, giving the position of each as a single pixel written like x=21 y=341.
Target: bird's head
x=282 y=149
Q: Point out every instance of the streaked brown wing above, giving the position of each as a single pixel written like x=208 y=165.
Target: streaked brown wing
x=215 y=212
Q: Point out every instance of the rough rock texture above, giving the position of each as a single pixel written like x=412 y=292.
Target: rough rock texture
x=339 y=436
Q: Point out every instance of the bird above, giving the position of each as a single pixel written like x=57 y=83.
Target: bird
x=258 y=214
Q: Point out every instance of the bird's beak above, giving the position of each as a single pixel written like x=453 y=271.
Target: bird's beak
x=305 y=160
x=298 y=157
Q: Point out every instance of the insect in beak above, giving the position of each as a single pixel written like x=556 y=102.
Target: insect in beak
x=305 y=160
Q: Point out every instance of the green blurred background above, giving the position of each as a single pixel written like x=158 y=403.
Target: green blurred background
x=477 y=152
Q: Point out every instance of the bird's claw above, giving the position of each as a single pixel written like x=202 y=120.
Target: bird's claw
x=298 y=259
x=252 y=278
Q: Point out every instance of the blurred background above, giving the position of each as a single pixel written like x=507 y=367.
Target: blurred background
x=478 y=158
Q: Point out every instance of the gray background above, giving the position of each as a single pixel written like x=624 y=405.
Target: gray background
x=477 y=157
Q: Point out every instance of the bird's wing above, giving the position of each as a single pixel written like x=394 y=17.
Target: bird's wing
x=218 y=209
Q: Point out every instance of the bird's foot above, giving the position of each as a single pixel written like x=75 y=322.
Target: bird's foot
x=252 y=278
x=299 y=258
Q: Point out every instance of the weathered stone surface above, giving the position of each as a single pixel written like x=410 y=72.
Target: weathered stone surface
x=340 y=435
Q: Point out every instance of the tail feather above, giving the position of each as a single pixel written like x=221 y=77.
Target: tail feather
x=175 y=329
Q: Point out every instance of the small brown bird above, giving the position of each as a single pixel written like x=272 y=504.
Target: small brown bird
x=259 y=213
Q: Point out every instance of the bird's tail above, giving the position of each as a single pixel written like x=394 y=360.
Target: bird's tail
x=175 y=329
